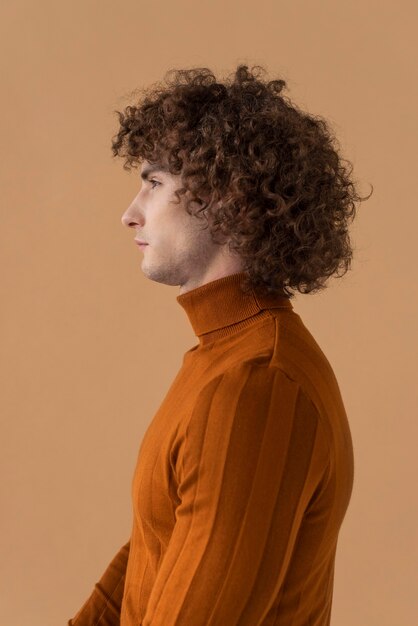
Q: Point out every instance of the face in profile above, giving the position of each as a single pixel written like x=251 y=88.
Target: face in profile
x=179 y=248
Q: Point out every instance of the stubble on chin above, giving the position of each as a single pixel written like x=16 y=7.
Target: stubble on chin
x=165 y=274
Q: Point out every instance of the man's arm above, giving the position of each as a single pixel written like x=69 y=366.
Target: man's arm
x=103 y=605
x=248 y=463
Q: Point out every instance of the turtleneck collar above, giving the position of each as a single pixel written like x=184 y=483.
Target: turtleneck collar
x=216 y=307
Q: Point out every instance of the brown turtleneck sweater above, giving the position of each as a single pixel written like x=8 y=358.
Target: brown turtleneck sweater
x=242 y=480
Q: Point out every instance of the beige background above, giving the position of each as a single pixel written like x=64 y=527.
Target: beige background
x=89 y=346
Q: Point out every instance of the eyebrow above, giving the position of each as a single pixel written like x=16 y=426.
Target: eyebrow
x=151 y=169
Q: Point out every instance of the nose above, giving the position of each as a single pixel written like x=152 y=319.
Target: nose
x=132 y=216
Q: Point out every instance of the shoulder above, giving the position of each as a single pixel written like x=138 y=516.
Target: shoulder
x=254 y=402
x=258 y=373
x=253 y=388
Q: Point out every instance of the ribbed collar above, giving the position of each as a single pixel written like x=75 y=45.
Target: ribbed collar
x=220 y=304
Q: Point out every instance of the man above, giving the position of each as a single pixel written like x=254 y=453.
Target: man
x=245 y=472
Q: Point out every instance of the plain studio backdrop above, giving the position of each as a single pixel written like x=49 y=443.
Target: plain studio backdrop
x=89 y=346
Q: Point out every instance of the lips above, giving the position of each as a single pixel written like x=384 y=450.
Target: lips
x=140 y=243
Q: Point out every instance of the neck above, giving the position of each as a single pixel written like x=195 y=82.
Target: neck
x=223 y=266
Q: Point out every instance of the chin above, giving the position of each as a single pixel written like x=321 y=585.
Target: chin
x=162 y=275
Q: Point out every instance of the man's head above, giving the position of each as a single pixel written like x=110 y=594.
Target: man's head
x=265 y=178
x=180 y=249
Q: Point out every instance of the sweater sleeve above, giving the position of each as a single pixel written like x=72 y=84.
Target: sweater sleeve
x=247 y=465
x=103 y=606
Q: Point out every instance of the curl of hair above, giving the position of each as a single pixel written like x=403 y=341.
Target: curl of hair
x=267 y=177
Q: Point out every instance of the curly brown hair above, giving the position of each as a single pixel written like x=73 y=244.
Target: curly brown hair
x=267 y=177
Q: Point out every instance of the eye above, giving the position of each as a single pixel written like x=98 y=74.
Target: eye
x=152 y=181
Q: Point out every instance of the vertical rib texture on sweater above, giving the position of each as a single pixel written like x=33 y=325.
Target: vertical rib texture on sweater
x=242 y=481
